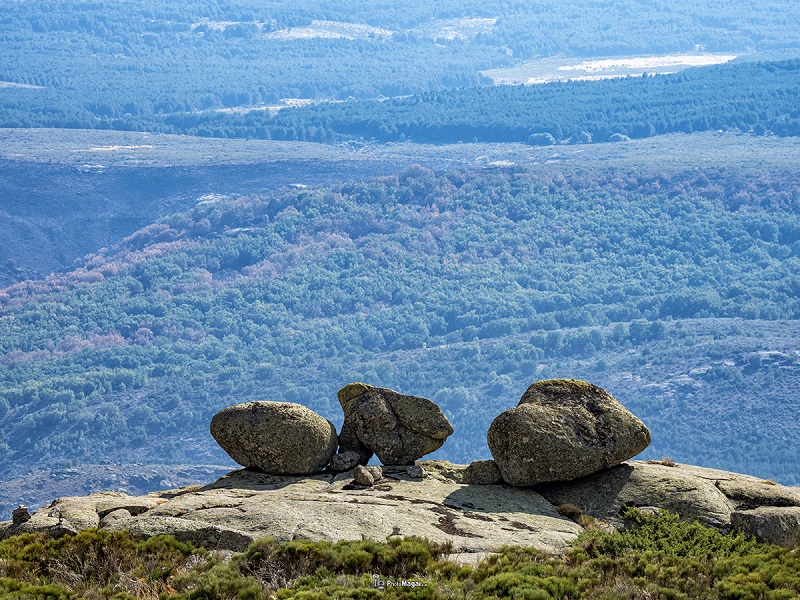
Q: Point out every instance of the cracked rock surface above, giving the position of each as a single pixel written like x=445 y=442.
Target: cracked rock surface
x=396 y=427
x=563 y=429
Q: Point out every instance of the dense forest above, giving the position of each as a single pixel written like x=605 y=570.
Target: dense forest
x=679 y=292
x=757 y=97
x=747 y=96
x=74 y=63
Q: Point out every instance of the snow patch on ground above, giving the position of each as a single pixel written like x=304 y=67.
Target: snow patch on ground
x=649 y=62
x=544 y=70
x=115 y=148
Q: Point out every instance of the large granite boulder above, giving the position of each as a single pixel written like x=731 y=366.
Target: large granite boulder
x=398 y=428
x=281 y=438
x=563 y=429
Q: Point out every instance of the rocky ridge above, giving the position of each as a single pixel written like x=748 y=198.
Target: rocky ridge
x=245 y=505
x=559 y=466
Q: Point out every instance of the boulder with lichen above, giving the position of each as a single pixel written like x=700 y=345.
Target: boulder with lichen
x=396 y=427
x=281 y=438
x=563 y=429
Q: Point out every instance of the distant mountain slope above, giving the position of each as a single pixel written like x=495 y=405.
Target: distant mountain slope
x=748 y=96
x=68 y=193
x=677 y=292
x=73 y=63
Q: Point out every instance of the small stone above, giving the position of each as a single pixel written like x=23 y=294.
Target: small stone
x=20 y=515
x=482 y=472
x=62 y=529
x=344 y=461
x=362 y=475
x=375 y=470
x=415 y=471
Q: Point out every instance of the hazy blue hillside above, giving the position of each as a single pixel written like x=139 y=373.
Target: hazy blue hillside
x=65 y=193
x=745 y=96
x=74 y=63
x=679 y=292
x=69 y=193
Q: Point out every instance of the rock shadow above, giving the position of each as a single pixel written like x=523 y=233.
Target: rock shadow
x=597 y=494
x=475 y=500
x=251 y=479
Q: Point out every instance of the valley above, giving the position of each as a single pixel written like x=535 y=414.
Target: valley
x=242 y=291
x=210 y=203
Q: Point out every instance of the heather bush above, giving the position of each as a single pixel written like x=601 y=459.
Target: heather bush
x=657 y=556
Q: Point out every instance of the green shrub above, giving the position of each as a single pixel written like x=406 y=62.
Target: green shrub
x=220 y=582
x=17 y=590
x=658 y=556
x=665 y=532
x=277 y=565
x=94 y=560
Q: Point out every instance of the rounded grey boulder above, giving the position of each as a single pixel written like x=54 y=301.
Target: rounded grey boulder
x=343 y=461
x=398 y=428
x=280 y=438
x=563 y=429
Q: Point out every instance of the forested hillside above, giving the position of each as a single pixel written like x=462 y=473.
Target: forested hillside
x=679 y=292
x=757 y=97
x=128 y=65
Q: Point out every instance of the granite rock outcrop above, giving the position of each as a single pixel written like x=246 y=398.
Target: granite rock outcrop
x=563 y=429
x=245 y=505
x=398 y=428
x=281 y=438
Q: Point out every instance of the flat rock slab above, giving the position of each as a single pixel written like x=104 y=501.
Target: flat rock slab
x=326 y=507
x=245 y=505
x=603 y=495
x=751 y=494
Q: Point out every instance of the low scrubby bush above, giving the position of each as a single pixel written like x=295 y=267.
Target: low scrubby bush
x=657 y=557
